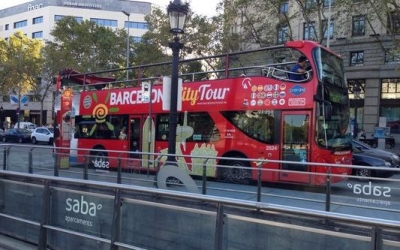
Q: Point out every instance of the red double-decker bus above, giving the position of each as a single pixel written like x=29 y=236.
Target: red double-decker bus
x=249 y=106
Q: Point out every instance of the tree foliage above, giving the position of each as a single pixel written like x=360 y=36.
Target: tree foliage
x=85 y=47
x=201 y=38
x=250 y=23
x=20 y=63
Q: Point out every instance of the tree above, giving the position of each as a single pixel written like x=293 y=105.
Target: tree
x=201 y=38
x=85 y=47
x=20 y=64
x=249 y=23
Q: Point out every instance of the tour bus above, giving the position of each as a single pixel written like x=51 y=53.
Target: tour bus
x=247 y=105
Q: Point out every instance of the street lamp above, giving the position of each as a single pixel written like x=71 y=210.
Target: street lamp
x=177 y=12
x=1 y=118
x=356 y=92
x=329 y=25
x=19 y=84
x=127 y=44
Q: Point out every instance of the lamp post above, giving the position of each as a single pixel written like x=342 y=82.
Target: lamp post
x=1 y=118
x=177 y=12
x=356 y=92
x=127 y=44
x=329 y=25
x=19 y=84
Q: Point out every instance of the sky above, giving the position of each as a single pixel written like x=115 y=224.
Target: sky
x=198 y=6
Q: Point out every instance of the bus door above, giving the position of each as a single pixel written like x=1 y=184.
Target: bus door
x=134 y=135
x=295 y=137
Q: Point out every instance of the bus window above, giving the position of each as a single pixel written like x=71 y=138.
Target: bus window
x=162 y=127
x=108 y=129
x=257 y=124
x=203 y=127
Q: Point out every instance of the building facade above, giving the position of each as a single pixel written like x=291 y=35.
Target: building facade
x=37 y=18
x=364 y=34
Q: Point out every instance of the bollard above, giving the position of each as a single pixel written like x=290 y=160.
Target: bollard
x=30 y=162
x=56 y=161
x=119 y=176
x=5 y=158
x=328 y=190
x=259 y=183
x=204 y=188
x=85 y=167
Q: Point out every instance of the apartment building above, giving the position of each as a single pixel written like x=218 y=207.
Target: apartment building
x=37 y=18
x=364 y=33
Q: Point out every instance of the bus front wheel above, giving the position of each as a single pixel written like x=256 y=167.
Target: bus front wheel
x=235 y=171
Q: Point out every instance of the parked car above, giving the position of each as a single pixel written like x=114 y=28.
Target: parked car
x=376 y=152
x=42 y=134
x=16 y=135
x=361 y=158
x=25 y=125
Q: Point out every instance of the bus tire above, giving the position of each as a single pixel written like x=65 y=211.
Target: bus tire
x=363 y=173
x=235 y=171
x=99 y=160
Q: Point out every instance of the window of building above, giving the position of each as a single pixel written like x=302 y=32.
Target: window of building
x=310 y=4
x=309 y=31
x=38 y=34
x=136 y=39
x=282 y=34
x=358 y=27
x=284 y=7
x=390 y=89
x=59 y=17
x=331 y=29
x=351 y=85
x=389 y=107
x=392 y=56
x=104 y=22
x=326 y=3
x=37 y=20
x=7 y=27
x=20 y=24
x=357 y=58
x=393 y=22
x=136 y=25
x=357 y=102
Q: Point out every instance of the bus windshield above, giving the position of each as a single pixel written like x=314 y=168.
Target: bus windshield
x=332 y=102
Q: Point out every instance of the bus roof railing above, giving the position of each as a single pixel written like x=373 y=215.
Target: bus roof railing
x=222 y=66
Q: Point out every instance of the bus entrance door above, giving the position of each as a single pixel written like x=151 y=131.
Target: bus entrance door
x=134 y=136
x=295 y=147
x=141 y=139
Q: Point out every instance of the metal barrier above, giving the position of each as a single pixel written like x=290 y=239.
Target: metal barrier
x=86 y=214
x=373 y=197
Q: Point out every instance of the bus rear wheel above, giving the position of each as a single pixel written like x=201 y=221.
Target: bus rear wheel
x=235 y=171
x=99 y=160
x=363 y=172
